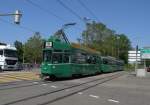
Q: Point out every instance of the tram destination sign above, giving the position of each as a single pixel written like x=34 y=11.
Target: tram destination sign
x=145 y=53
x=49 y=44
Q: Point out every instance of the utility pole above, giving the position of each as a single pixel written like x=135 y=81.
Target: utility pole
x=118 y=37
x=79 y=40
x=17 y=16
x=86 y=20
x=136 y=59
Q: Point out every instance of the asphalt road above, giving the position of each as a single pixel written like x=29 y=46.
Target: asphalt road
x=105 y=89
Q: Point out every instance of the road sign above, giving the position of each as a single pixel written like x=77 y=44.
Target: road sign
x=145 y=53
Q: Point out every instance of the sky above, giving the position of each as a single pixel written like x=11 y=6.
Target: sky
x=130 y=17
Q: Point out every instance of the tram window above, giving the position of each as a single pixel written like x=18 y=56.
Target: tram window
x=82 y=58
x=66 y=58
x=105 y=61
x=47 y=56
x=1 y=52
x=57 y=58
x=94 y=60
x=88 y=60
x=79 y=58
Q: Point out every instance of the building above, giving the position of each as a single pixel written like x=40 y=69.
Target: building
x=134 y=56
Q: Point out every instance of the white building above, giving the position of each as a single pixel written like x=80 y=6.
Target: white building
x=132 y=56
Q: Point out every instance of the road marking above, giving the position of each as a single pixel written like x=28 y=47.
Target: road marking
x=54 y=86
x=44 y=84
x=80 y=93
x=35 y=82
x=111 y=100
x=93 y=96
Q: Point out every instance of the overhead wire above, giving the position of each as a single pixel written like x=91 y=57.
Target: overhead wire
x=87 y=9
x=20 y=26
x=70 y=10
x=51 y=13
x=46 y=11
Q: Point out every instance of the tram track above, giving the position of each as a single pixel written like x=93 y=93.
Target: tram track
x=14 y=83
x=28 y=84
x=80 y=90
x=102 y=80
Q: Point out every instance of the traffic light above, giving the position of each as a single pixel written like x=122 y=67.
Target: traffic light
x=17 y=17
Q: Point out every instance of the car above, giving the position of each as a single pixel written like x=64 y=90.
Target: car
x=148 y=69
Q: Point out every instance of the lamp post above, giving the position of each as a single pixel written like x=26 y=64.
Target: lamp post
x=118 y=37
x=86 y=20
x=17 y=16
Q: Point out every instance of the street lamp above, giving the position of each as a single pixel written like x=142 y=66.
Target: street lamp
x=67 y=25
x=17 y=16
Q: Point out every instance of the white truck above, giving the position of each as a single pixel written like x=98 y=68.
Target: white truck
x=8 y=57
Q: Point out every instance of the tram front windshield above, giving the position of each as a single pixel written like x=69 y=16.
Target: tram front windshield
x=56 y=57
x=47 y=55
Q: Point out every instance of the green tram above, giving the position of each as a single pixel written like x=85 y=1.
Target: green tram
x=61 y=59
x=111 y=64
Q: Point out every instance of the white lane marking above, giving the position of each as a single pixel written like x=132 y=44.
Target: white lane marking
x=54 y=86
x=80 y=93
x=93 y=96
x=111 y=100
x=35 y=82
x=44 y=84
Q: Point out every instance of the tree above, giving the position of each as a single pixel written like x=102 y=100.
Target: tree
x=124 y=45
x=19 y=47
x=93 y=33
x=33 y=49
x=98 y=36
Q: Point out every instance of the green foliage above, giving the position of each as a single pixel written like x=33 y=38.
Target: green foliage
x=33 y=49
x=98 y=36
x=124 y=45
x=129 y=67
x=19 y=47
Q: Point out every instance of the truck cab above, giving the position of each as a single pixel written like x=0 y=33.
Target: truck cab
x=8 y=57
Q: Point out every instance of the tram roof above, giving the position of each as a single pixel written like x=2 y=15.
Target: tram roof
x=72 y=45
x=78 y=46
x=112 y=58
